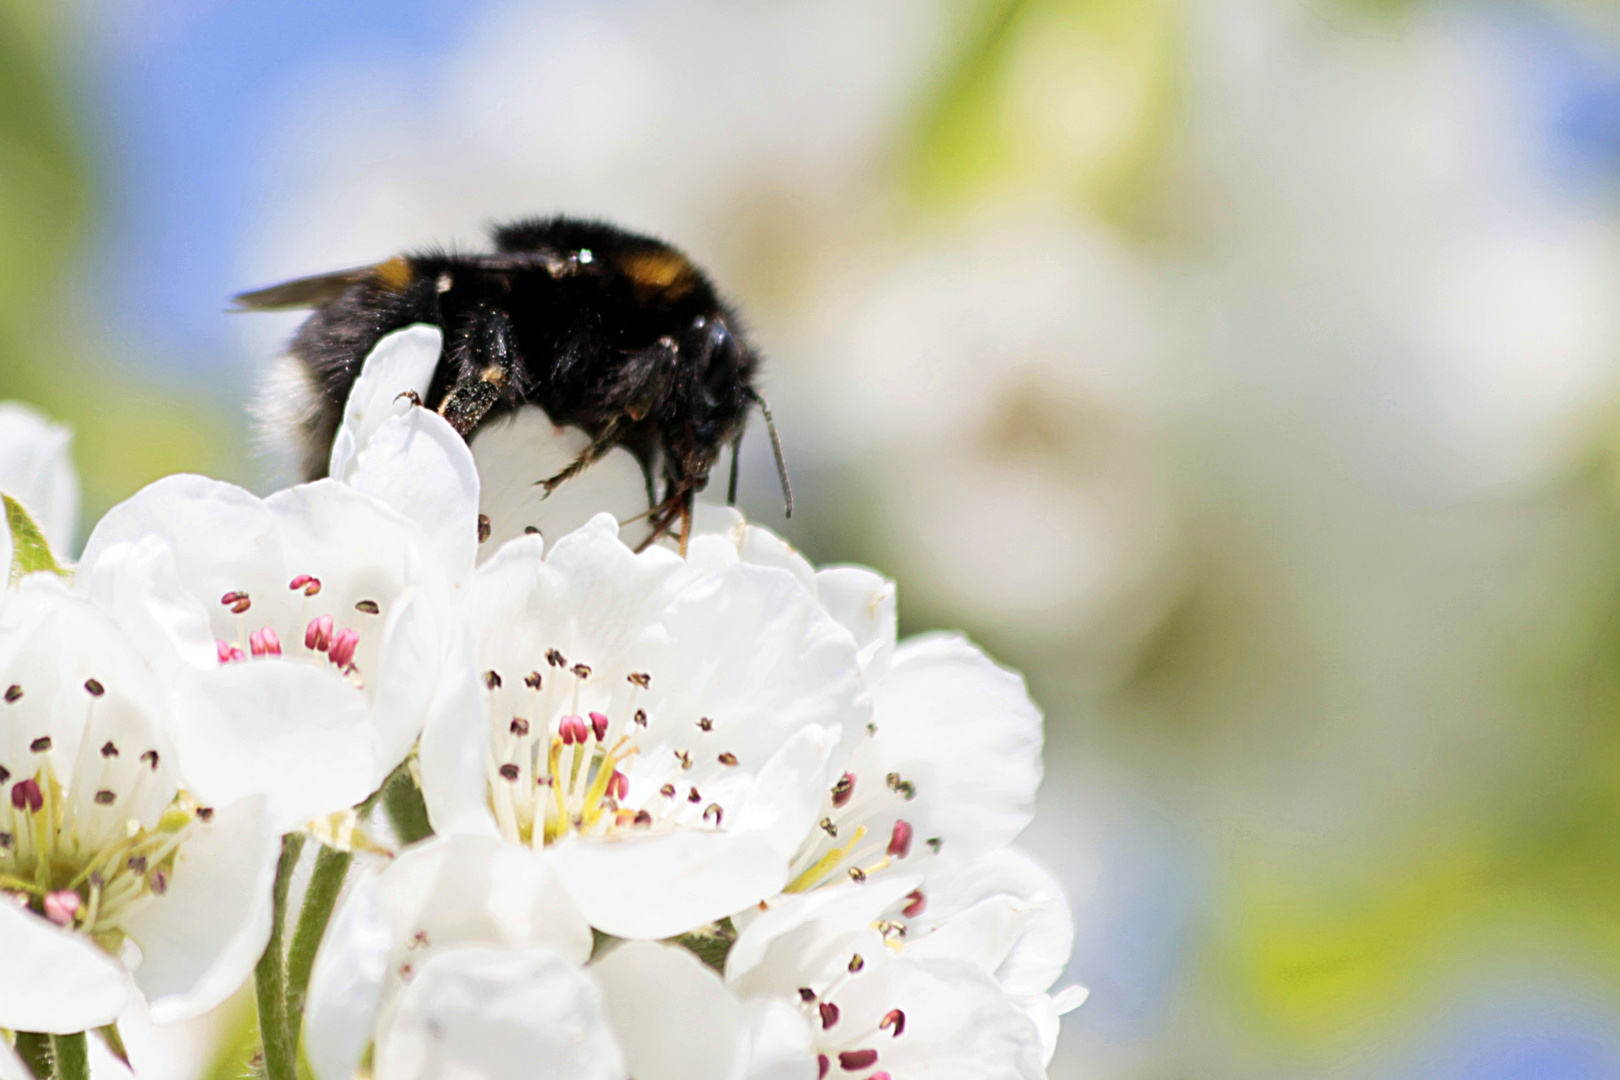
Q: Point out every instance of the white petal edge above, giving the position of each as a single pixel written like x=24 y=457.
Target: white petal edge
x=55 y=981
x=345 y=987
x=673 y=1017
x=403 y=361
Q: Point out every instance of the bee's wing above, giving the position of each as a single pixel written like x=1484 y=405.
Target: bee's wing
x=306 y=292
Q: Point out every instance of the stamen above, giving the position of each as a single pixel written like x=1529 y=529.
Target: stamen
x=728 y=758
x=806 y=994
x=532 y=680
x=13 y=692
x=483 y=528
x=599 y=726
x=713 y=808
x=509 y=771
x=94 y=688
x=705 y=724
x=643 y=817
x=105 y=797
x=667 y=791
x=5 y=774
x=573 y=730
x=856 y=963
x=228 y=653
x=520 y=727
x=842 y=790
x=582 y=671
x=829 y=1014
x=618 y=786
x=41 y=744
x=856 y=1060
x=318 y=634
x=917 y=903
x=367 y=607
x=238 y=602
x=640 y=717
x=311 y=585
x=829 y=828
x=900 y=839
x=822 y=1065
x=896 y=1019
x=694 y=797
x=640 y=678
x=555 y=658
x=492 y=680
x=343 y=647
x=60 y=906
x=857 y=875
x=151 y=758
x=26 y=796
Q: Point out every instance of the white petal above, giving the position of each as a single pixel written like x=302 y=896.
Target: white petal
x=789 y=788
x=417 y=464
x=660 y=886
x=453 y=750
x=36 y=469
x=674 y=1018
x=491 y=1014
x=55 y=981
x=11 y=1066
x=346 y=985
x=200 y=940
x=959 y=1025
x=516 y=451
x=779 y=1043
x=206 y=521
x=966 y=734
x=402 y=361
x=807 y=938
x=291 y=731
x=863 y=602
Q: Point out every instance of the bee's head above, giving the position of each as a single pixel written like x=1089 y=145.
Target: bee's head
x=723 y=368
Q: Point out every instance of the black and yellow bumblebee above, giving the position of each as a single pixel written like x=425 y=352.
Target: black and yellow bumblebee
x=615 y=333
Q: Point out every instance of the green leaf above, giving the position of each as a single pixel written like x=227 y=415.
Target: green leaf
x=30 y=552
x=114 y=1043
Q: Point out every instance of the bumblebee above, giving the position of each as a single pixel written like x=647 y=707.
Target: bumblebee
x=617 y=334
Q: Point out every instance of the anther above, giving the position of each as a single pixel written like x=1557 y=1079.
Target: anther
x=531 y=530
x=555 y=658
x=13 y=692
x=667 y=791
x=728 y=758
x=856 y=963
x=532 y=680
x=684 y=758
x=26 y=796
x=343 y=647
x=60 y=906
x=573 y=730
x=5 y=774
x=318 y=634
x=713 y=808
x=806 y=994
x=137 y=864
x=618 y=786
x=368 y=607
x=238 y=602
x=705 y=724
x=492 y=679
x=916 y=904
x=599 y=726
x=896 y=1019
x=310 y=584
x=205 y=814
x=856 y=1060
x=151 y=758
x=520 y=726
x=265 y=642
x=900 y=839
x=935 y=842
x=159 y=882
x=640 y=717
x=829 y=1014
x=582 y=671
x=842 y=790
x=857 y=875
x=640 y=678
x=829 y=828
x=41 y=744
x=693 y=796
x=822 y=1065
x=6 y=841
x=228 y=653
x=105 y=797
x=643 y=817
x=509 y=771
x=483 y=528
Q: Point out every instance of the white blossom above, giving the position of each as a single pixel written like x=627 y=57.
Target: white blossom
x=36 y=469
x=666 y=727
x=109 y=865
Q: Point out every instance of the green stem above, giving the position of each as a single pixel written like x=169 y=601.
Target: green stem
x=35 y=1050
x=407 y=813
x=270 y=978
x=72 y=1057
x=325 y=883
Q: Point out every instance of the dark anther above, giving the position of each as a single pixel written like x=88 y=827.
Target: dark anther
x=856 y=1060
x=159 y=882
x=935 y=842
x=509 y=771
x=667 y=791
x=583 y=671
x=641 y=679
x=13 y=692
x=137 y=864
x=806 y=994
x=822 y=1065
x=41 y=744
x=26 y=796
x=520 y=726
x=828 y=827
x=367 y=607
x=857 y=875
x=492 y=679
x=5 y=774
x=643 y=817
x=896 y=1019
x=685 y=759
x=829 y=1014
x=94 y=688
x=205 y=813
x=409 y=395
x=6 y=840
x=105 y=797
x=532 y=680
x=555 y=658
x=693 y=796
x=728 y=758
x=916 y=904
x=151 y=758
x=856 y=962
x=705 y=724
x=842 y=790
x=483 y=528
x=530 y=530
x=640 y=717
x=108 y=749
x=713 y=808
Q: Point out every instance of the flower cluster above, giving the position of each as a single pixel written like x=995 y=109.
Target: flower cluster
x=585 y=809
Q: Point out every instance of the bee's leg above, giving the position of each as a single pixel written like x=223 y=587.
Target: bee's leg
x=736 y=456
x=686 y=522
x=590 y=456
x=486 y=353
x=468 y=402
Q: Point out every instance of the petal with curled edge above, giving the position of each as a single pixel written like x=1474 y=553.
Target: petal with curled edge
x=36 y=469
x=417 y=464
x=346 y=986
x=673 y=1017
x=55 y=981
x=401 y=362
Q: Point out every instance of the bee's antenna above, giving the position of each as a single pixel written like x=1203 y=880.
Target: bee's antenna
x=776 y=448
x=736 y=454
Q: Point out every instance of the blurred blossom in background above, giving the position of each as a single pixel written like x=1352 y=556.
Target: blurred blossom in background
x=1242 y=370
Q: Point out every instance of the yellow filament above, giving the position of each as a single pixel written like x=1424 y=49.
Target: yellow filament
x=604 y=775
x=824 y=864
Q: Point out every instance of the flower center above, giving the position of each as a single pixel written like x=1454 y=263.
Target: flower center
x=557 y=766
x=861 y=831
x=301 y=632
x=82 y=853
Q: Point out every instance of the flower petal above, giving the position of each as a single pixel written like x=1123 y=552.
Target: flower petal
x=674 y=1018
x=959 y=1024
x=492 y=1014
x=779 y=1044
x=55 y=981
x=346 y=985
x=403 y=361
x=36 y=469
x=11 y=1066
x=863 y=602
x=201 y=938
x=417 y=464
